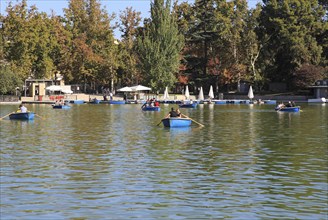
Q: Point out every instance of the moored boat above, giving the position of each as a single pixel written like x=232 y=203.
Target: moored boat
x=176 y=122
x=76 y=101
x=188 y=105
x=288 y=109
x=117 y=102
x=151 y=108
x=61 y=106
x=94 y=101
x=22 y=115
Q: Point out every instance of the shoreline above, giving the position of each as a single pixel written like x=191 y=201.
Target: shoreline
x=228 y=98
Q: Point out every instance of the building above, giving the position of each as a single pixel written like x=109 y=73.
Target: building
x=320 y=89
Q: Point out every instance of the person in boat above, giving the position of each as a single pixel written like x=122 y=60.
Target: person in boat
x=281 y=105
x=22 y=108
x=293 y=104
x=289 y=104
x=151 y=103
x=156 y=103
x=172 y=114
x=179 y=113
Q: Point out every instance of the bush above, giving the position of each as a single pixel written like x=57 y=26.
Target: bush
x=307 y=75
x=9 y=81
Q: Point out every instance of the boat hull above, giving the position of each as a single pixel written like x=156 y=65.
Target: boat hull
x=76 y=101
x=95 y=102
x=288 y=109
x=176 y=122
x=117 y=102
x=192 y=105
x=151 y=108
x=22 y=116
x=61 y=107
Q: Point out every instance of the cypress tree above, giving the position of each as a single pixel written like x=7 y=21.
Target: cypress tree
x=159 y=47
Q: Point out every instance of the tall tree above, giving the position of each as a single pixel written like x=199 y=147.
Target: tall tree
x=159 y=47
x=92 y=49
x=130 y=20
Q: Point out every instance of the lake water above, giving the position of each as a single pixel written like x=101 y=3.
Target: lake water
x=114 y=162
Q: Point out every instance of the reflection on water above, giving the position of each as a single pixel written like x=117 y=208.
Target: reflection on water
x=113 y=161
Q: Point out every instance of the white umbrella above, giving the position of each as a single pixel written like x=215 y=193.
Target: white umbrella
x=140 y=88
x=166 y=94
x=250 y=93
x=125 y=89
x=211 y=94
x=54 y=88
x=187 y=95
x=67 y=91
x=201 y=94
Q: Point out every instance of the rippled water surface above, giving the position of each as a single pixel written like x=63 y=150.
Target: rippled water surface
x=114 y=162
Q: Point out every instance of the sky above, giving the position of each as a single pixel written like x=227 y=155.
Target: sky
x=112 y=6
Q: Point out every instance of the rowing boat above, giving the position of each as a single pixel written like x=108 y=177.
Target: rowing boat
x=288 y=109
x=117 y=102
x=151 y=108
x=176 y=122
x=61 y=107
x=22 y=116
x=188 y=105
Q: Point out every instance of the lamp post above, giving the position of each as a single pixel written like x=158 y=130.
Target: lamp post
x=25 y=88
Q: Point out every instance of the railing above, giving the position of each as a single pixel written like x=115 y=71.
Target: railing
x=53 y=97
x=9 y=98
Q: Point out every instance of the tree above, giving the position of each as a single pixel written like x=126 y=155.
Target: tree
x=253 y=48
x=92 y=56
x=159 y=47
x=9 y=81
x=292 y=27
x=130 y=20
x=307 y=75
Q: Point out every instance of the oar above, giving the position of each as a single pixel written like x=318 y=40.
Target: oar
x=39 y=116
x=159 y=122
x=193 y=120
x=6 y=115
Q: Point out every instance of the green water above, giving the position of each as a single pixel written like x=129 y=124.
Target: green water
x=113 y=162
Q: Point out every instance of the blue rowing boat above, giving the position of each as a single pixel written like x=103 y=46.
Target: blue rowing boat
x=176 y=122
x=22 y=116
x=117 y=102
x=76 y=101
x=94 y=101
x=151 y=108
x=61 y=106
x=188 y=105
x=288 y=109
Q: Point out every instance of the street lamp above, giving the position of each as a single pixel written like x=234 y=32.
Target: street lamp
x=25 y=85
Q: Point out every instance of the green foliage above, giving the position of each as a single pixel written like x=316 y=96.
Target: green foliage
x=292 y=27
x=9 y=81
x=159 y=47
x=209 y=42
x=92 y=50
x=307 y=75
x=130 y=20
